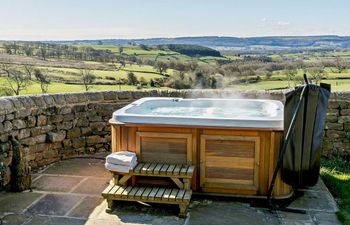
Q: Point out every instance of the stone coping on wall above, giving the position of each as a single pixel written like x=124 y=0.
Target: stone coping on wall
x=11 y=104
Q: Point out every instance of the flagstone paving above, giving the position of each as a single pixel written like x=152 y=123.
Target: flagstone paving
x=69 y=192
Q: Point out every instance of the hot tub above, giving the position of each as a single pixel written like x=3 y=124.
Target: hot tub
x=234 y=143
x=245 y=113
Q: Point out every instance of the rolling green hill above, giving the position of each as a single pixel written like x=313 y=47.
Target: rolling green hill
x=325 y=41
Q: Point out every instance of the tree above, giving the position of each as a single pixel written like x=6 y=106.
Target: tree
x=120 y=50
x=29 y=69
x=192 y=65
x=8 y=48
x=143 y=81
x=144 y=47
x=28 y=50
x=132 y=79
x=317 y=73
x=43 y=52
x=291 y=73
x=339 y=64
x=88 y=78
x=178 y=80
x=161 y=67
x=17 y=81
x=139 y=61
x=199 y=81
x=120 y=59
x=15 y=48
x=216 y=81
x=6 y=68
x=43 y=80
x=151 y=83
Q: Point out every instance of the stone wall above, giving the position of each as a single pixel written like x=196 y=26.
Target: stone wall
x=336 y=141
x=56 y=126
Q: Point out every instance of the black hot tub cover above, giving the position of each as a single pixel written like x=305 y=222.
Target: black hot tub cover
x=301 y=162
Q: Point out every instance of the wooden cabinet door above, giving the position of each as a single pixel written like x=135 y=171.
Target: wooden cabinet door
x=160 y=147
x=229 y=162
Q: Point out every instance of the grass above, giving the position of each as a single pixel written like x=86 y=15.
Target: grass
x=131 y=50
x=336 y=175
x=312 y=56
x=336 y=85
x=233 y=57
x=55 y=87
x=146 y=72
x=34 y=88
x=331 y=74
x=213 y=59
x=263 y=85
x=150 y=54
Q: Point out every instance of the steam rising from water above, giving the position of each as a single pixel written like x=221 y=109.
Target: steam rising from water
x=215 y=108
x=232 y=94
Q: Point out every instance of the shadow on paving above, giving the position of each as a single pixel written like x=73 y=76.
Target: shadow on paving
x=69 y=192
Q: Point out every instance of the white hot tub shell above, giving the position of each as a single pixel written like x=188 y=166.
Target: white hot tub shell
x=245 y=113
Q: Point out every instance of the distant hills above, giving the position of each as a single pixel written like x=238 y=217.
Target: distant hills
x=231 y=43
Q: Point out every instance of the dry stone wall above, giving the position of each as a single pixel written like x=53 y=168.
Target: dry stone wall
x=336 y=141
x=56 y=126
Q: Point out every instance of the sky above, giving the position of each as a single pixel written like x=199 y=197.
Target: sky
x=105 y=19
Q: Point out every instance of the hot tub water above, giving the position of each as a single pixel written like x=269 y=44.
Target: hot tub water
x=207 y=108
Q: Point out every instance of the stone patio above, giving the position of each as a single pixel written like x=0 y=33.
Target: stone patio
x=68 y=192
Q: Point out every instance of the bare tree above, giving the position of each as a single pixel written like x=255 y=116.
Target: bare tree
x=139 y=62
x=291 y=73
x=8 y=48
x=28 y=50
x=142 y=81
x=6 y=68
x=161 y=67
x=339 y=64
x=317 y=73
x=144 y=47
x=43 y=52
x=29 y=69
x=120 y=50
x=43 y=80
x=17 y=81
x=88 y=78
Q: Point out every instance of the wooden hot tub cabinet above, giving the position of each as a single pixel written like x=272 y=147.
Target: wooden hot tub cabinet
x=237 y=161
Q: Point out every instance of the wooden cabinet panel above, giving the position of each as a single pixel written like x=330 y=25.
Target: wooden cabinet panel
x=170 y=148
x=230 y=162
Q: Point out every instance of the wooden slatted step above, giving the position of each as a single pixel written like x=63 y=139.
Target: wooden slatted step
x=181 y=175
x=147 y=194
x=161 y=170
x=173 y=171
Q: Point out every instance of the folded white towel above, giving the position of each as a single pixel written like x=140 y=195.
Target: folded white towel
x=123 y=158
x=119 y=168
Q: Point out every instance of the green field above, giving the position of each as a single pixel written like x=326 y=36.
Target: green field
x=133 y=50
x=64 y=71
x=55 y=87
x=336 y=85
x=71 y=74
